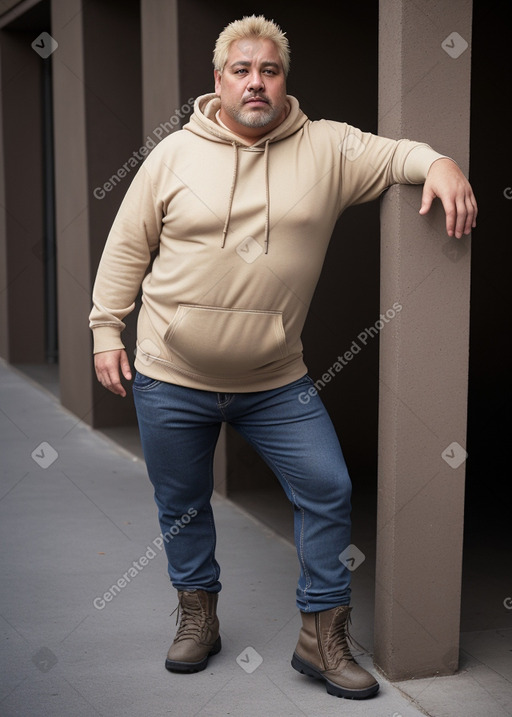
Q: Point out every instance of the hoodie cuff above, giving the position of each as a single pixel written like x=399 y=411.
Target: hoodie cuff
x=106 y=338
x=419 y=161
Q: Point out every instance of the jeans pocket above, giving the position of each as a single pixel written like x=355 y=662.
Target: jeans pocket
x=144 y=383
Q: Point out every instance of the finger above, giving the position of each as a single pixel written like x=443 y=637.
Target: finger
x=470 y=212
x=427 y=198
x=450 y=211
x=461 y=218
x=125 y=367
x=471 y=216
x=475 y=209
x=109 y=378
x=114 y=384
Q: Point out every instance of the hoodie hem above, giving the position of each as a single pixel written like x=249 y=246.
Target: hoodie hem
x=167 y=373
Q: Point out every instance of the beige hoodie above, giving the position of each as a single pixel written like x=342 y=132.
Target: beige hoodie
x=240 y=233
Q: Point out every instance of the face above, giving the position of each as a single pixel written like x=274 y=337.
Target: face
x=252 y=88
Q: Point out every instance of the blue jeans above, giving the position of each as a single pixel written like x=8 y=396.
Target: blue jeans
x=179 y=428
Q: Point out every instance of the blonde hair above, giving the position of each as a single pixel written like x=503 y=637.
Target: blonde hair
x=251 y=26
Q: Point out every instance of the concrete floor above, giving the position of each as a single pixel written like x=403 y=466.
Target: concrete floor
x=76 y=510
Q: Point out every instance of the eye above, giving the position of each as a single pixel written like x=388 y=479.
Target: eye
x=240 y=71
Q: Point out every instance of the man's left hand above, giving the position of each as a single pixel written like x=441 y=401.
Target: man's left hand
x=446 y=181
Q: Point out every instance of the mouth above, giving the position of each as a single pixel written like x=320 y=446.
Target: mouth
x=256 y=101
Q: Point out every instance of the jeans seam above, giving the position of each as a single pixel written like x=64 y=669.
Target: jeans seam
x=211 y=520
x=301 y=537
x=221 y=405
x=153 y=382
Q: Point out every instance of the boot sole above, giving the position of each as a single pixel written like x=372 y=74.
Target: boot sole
x=333 y=689
x=177 y=666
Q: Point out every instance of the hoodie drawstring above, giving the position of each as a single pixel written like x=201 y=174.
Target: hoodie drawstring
x=267 y=198
x=232 y=193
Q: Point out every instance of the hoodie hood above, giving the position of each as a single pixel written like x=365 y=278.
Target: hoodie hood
x=203 y=123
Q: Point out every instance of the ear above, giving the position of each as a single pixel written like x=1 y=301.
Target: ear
x=218 y=78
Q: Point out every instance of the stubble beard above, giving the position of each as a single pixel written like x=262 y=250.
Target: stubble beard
x=256 y=117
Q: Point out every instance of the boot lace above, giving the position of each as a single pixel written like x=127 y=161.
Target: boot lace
x=340 y=639
x=191 y=622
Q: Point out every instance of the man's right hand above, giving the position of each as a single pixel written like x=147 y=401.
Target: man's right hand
x=107 y=365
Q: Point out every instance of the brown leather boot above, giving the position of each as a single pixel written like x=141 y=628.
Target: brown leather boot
x=198 y=636
x=323 y=652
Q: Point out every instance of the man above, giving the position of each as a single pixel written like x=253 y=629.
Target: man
x=238 y=208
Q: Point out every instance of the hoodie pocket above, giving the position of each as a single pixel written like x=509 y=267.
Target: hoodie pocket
x=222 y=342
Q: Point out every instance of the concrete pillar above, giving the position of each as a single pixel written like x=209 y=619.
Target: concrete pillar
x=160 y=63
x=4 y=275
x=424 y=94
x=72 y=215
x=98 y=127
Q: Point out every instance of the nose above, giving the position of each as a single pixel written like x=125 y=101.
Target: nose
x=255 y=82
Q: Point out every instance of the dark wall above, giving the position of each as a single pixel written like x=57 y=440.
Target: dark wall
x=113 y=88
x=21 y=79
x=334 y=75
x=489 y=424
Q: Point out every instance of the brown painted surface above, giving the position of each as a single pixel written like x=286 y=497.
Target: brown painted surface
x=424 y=95
x=98 y=125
